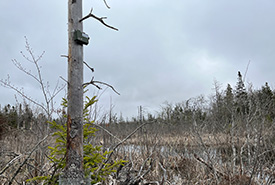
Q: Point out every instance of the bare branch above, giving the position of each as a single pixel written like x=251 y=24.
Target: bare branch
x=64 y=79
x=6 y=83
x=30 y=50
x=92 y=82
x=92 y=69
x=56 y=91
x=107 y=131
x=21 y=68
x=10 y=163
x=37 y=76
x=100 y=19
x=66 y=56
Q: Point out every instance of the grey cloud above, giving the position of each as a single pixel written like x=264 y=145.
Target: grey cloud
x=164 y=51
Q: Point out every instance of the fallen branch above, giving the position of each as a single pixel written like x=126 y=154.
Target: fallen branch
x=211 y=167
x=100 y=19
x=141 y=176
x=164 y=177
x=118 y=144
x=151 y=183
x=10 y=163
x=24 y=162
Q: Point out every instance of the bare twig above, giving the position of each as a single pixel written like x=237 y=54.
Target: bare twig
x=100 y=19
x=39 y=78
x=20 y=67
x=56 y=91
x=30 y=50
x=7 y=83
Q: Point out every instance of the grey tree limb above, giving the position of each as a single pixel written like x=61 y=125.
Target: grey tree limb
x=10 y=163
x=94 y=83
x=100 y=19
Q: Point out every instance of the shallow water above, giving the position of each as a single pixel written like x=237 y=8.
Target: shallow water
x=218 y=156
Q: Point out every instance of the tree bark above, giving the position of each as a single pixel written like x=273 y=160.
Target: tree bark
x=74 y=172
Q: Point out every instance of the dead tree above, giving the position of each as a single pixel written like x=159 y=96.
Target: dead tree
x=74 y=171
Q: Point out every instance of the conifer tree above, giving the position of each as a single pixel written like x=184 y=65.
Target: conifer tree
x=229 y=102
x=229 y=96
x=266 y=100
x=241 y=96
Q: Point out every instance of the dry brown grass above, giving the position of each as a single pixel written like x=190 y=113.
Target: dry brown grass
x=174 y=154
x=15 y=149
x=159 y=159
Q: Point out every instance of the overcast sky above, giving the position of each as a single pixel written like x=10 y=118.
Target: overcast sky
x=164 y=50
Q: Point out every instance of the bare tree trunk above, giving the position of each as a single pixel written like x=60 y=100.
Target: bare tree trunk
x=234 y=154
x=74 y=172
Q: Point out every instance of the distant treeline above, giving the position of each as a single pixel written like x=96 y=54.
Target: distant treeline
x=238 y=104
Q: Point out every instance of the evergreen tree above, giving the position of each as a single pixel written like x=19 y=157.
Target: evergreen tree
x=267 y=93
x=229 y=96
x=266 y=101
x=241 y=96
x=229 y=102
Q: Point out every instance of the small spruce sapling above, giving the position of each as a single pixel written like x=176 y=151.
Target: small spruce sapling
x=93 y=157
